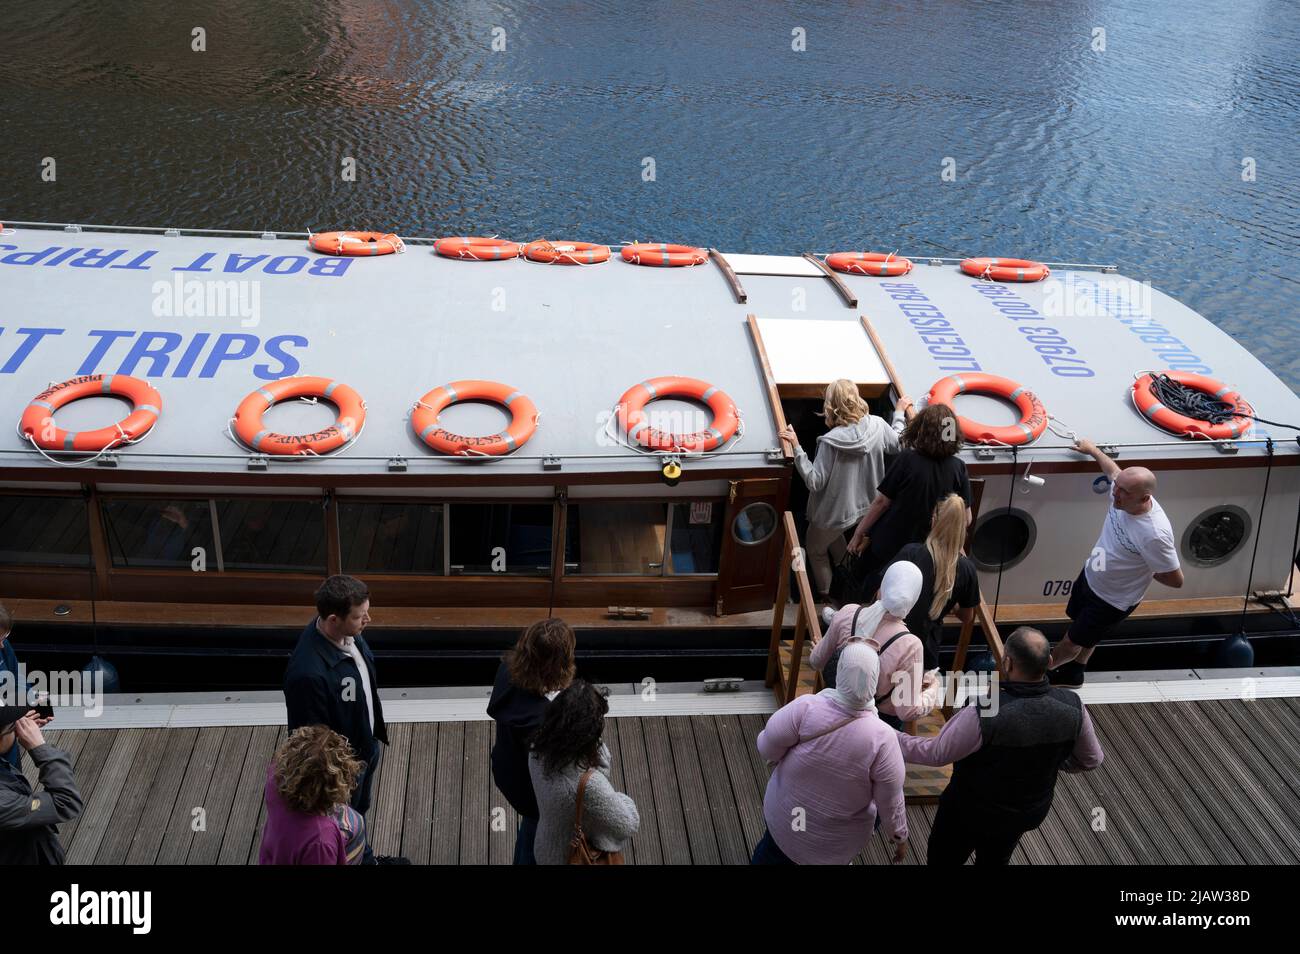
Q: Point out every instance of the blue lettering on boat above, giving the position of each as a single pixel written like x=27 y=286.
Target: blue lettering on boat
x=82 y=257
x=941 y=339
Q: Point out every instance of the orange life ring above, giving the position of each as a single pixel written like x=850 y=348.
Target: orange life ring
x=869 y=263
x=356 y=243
x=1146 y=402
x=651 y=253
x=1005 y=269
x=1033 y=416
x=477 y=249
x=38 y=426
x=248 y=417
x=632 y=415
x=566 y=253
x=523 y=418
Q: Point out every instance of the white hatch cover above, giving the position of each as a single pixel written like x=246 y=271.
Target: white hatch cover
x=806 y=355
x=792 y=265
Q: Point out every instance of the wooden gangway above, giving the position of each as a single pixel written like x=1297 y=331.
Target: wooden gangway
x=1209 y=781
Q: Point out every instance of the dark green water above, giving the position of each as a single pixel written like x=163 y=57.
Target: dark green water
x=1132 y=154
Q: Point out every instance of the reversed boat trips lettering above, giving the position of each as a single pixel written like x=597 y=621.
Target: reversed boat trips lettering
x=234 y=264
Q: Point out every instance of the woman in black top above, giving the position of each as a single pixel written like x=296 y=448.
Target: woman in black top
x=530 y=675
x=926 y=470
x=948 y=577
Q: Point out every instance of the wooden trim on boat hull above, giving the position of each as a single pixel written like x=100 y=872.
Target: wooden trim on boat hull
x=246 y=616
x=1024 y=613
x=644 y=474
x=270 y=589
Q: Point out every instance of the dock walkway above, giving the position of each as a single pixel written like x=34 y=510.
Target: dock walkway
x=1200 y=781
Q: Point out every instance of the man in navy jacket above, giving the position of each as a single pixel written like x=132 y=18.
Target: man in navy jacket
x=331 y=679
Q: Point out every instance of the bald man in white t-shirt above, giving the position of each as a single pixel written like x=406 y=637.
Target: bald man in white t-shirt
x=1136 y=546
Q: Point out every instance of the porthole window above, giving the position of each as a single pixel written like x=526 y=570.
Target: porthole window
x=754 y=524
x=1214 y=536
x=1002 y=539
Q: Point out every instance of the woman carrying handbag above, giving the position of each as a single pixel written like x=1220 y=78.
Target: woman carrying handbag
x=583 y=819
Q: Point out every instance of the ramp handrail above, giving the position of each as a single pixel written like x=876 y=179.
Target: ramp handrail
x=786 y=685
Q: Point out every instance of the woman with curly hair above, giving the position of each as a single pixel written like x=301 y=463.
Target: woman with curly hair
x=926 y=470
x=530 y=675
x=308 y=786
x=842 y=480
x=566 y=749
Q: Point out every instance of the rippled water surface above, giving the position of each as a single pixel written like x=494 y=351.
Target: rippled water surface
x=1132 y=154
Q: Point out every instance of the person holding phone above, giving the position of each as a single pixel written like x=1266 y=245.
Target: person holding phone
x=19 y=688
x=29 y=820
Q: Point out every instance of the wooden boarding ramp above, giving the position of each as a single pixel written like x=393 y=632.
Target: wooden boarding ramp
x=1209 y=781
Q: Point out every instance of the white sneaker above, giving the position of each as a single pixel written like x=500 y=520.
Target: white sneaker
x=827 y=615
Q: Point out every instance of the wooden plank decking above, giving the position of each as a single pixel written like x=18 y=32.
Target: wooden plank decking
x=1211 y=782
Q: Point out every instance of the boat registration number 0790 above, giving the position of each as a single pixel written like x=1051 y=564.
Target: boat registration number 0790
x=1056 y=351
x=1057 y=587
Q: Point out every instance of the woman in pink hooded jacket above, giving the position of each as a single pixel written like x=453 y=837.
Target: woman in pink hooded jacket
x=836 y=766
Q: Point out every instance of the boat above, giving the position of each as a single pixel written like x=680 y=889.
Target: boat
x=191 y=541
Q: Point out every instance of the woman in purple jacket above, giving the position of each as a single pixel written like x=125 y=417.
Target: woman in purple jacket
x=836 y=765
x=308 y=787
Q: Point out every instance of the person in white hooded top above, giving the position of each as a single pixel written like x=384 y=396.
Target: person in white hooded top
x=842 y=480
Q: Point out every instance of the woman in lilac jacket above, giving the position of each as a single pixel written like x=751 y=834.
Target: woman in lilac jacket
x=836 y=765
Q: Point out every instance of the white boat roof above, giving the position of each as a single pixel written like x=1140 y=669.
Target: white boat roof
x=572 y=338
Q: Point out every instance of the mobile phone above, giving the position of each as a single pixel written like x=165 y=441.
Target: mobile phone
x=45 y=711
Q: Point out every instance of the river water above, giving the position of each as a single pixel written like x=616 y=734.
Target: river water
x=1159 y=136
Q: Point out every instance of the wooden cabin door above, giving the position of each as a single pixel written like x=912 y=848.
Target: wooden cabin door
x=752 y=538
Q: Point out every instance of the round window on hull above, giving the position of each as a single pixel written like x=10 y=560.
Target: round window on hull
x=1214 y=536
x=754 y=524
x=1002 y=539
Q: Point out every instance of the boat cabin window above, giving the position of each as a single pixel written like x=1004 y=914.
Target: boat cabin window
x=392 y=538
x=1002 y=538
x=623 y=538
x=282 y=536
x=44 y=531
x=754 y=524
x=500 y=538
x=643 y=538
x=154 y=534
x=1214 y=536
x=696 y=536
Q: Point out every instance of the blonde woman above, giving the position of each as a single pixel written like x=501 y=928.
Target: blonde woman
x=948 y=576
x=842 y=480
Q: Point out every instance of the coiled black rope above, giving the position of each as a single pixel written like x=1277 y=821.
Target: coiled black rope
x=1189 y=402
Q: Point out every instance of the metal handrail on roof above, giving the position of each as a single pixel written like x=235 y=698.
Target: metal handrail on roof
x=419 y=239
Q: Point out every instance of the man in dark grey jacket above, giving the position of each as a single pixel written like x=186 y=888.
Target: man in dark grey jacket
x=29 y=833
x=1005 y=759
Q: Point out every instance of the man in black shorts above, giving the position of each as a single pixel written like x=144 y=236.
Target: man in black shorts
x=1136 y=546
